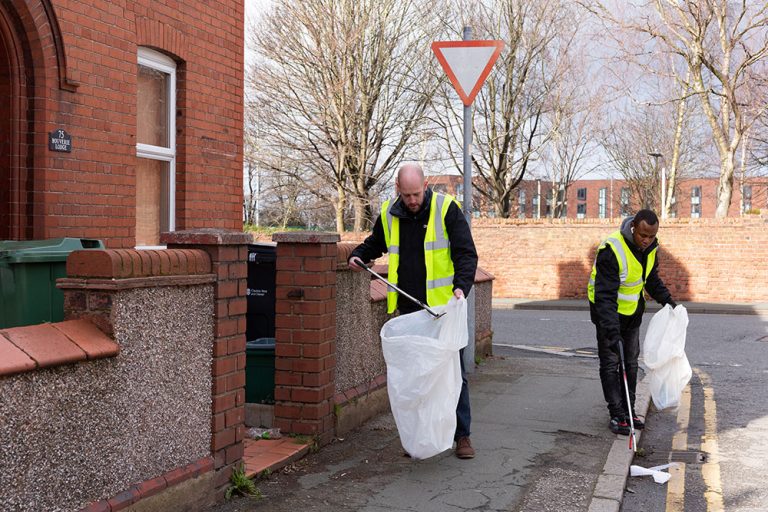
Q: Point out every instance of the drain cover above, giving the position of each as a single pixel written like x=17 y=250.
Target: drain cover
x=689 y=457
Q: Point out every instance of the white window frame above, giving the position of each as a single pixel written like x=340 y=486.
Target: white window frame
x=601 y=202
x=153 y=59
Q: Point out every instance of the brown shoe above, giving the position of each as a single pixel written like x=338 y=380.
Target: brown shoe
x=464 y=448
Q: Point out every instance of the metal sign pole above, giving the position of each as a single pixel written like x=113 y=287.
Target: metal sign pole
x=469 y=352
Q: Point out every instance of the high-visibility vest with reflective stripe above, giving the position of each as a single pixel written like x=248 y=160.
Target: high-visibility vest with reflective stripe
x=631 y=279
x=437 y=251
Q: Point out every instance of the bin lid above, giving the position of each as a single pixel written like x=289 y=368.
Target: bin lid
x=54 y=249
x=260 y=343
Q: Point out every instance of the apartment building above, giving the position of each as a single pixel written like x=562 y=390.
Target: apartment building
x=693 y=198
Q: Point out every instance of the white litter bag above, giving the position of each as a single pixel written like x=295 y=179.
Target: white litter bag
x=664 y=360
x=424 y=375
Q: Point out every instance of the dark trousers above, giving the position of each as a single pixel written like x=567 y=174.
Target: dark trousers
x=610 y=370
x=463 y=414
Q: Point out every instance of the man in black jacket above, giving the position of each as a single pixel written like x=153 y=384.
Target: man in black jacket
x=411 y=210
x=625 y=267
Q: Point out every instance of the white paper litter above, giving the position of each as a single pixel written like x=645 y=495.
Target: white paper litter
x=659 y=476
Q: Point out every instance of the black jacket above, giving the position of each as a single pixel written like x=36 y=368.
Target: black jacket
x=412 y=270
x=603 y=311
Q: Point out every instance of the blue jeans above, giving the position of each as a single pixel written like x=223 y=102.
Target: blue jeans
x=463 y=415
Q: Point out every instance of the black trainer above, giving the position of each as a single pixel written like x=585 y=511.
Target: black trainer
x=619 y=425
x=639 y=424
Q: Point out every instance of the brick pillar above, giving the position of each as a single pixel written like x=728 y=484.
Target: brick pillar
x=305 y=332
x=228 y=251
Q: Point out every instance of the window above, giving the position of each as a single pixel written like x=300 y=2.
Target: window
x=521 y=203
x=746 y=197
x=581 y=194
x=601 y=202
x=535 y=213
x=673 y=207
x=695 y=202
x=155 y=147
x=581 y=210
x=624 y=201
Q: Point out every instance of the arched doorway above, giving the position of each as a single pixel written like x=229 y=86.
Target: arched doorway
x=6 y=98
x=14 y=189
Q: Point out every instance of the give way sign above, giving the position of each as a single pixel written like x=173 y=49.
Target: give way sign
x=467 y=64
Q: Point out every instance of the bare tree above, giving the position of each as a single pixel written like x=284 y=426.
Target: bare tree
x=723 y=45
x=572 y=150
x=513 y=111
x=346 y=90
x=641 y=140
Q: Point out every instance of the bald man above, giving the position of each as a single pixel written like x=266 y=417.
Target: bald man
x=416 y=221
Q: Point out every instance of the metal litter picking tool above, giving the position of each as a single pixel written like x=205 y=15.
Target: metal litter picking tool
x=632 y=438
x=429 y=310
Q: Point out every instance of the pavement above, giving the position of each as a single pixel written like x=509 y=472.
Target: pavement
x=540 y=428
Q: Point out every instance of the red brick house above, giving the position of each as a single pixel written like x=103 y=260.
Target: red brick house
x=120 y=120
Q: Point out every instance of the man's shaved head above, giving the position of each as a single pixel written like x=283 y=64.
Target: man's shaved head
x=410 y=184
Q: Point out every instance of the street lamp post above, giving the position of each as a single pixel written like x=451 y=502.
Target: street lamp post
x=656 y=157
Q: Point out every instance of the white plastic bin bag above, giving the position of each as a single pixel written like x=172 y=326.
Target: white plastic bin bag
x=664 y=359
x=424 y=375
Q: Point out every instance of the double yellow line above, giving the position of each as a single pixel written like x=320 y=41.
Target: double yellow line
x=710 y=471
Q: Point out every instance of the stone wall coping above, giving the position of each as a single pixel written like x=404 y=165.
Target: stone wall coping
x=131 y=263
x=24 y=349
x=482 y=276
x=343 y=252
x=206 y=236
x=66 y=283
x=486 y=222
x=306 y=237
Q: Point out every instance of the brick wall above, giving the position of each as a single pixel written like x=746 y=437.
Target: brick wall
x=81 y=76
x=76 y=418
x=703 y=260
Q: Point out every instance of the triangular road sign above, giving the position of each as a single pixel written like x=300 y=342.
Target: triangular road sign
x=467 y=64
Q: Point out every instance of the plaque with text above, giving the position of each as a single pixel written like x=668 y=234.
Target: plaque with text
x=60 y=140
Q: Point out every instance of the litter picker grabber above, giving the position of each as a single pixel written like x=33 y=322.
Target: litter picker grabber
x=632 y=439
x=413 y=299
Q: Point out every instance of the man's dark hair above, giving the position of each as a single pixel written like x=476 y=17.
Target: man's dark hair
x=648 y=216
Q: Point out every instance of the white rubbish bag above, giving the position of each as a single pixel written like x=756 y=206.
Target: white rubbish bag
x=424 y=375
x=664 y=359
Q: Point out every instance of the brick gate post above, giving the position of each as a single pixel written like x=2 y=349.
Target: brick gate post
x=228 y=251
x=305 y=333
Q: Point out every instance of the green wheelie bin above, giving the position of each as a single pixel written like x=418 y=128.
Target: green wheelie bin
x=28 y=273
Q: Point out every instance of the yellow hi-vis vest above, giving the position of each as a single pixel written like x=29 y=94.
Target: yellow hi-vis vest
x=631 y=279
x=437 y=251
